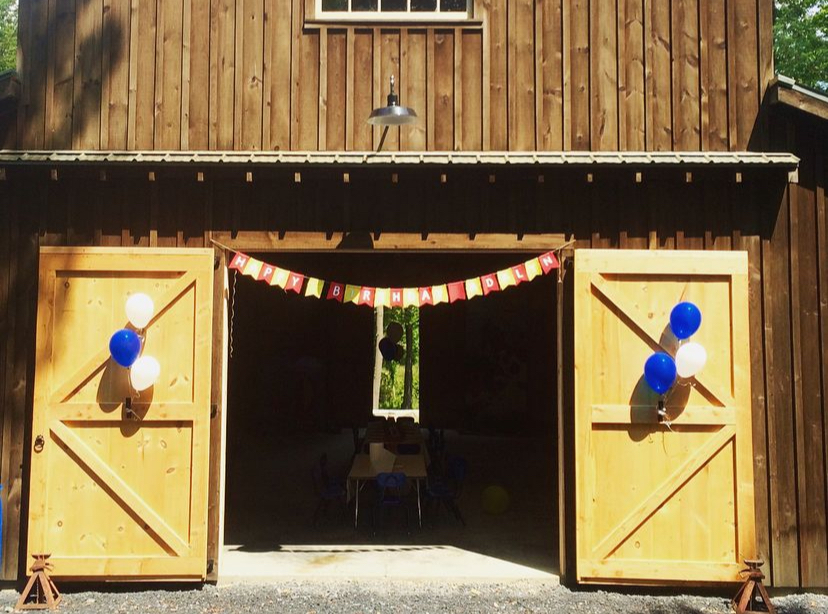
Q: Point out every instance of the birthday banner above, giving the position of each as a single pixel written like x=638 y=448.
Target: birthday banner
x=450 y=292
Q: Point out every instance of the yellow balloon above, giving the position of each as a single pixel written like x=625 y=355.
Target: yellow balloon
x=495 y=499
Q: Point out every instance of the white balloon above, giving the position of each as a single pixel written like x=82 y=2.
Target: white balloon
x=139 y=310
x=690 y=359
x=144 y=372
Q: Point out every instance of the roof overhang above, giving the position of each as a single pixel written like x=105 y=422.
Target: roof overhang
x=633 y=160
x=784 y=90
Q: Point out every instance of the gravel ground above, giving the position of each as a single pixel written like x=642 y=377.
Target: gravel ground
x=370 y=597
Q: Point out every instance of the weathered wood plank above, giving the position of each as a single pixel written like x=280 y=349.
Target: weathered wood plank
x=521 y=75
x=576 y=79
x=659 y=131
x=336 y=90
x=251 y=74
x=498 y=109
x=196 y=81
x=362 y=88
x=631 y=75
x=34 y=28
x=444 y=90
x=390 y=65
x=550 y=77
x=168 y=56
x=472 y=87
x=744 y=89
x=86 y=129
x=413 y=137
x=686 y=87
x=115 y=75
x=277 y=83
x=143 y=66
x=604 y=75
x=222 y=73
x=61 y=87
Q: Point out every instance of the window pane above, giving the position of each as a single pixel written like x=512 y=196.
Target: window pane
x=393 y=5
x=453 y=5
x=334 y=5
x=364 y=5
x=423 y=5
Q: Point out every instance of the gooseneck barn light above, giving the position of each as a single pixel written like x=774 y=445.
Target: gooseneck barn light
x=392 y=114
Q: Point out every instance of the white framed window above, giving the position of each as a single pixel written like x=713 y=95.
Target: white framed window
x=394 y=10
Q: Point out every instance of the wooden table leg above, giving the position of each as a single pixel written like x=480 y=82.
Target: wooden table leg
x=356 y=506
x=419 y=508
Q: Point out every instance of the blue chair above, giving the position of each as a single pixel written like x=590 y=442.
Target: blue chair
x=392 y=491
x=327 y=489
x=446 y=489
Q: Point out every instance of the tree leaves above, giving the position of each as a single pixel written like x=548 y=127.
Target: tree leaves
x=801 y=41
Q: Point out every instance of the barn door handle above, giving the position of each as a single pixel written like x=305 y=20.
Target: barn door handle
x=39 y=442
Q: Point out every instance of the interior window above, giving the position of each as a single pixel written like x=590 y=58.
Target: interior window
x=394 y=9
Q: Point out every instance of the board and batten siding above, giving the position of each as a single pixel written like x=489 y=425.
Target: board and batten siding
x=522 y=75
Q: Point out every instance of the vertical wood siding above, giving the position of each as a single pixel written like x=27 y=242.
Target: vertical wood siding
x=524 y=75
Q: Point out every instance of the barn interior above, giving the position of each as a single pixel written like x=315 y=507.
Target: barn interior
x=300 y=377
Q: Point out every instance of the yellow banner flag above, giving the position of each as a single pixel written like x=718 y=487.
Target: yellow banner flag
x=411 y=297
x=382 y=297
x=351 y=293
x=533 y=268
x=280 y=278
x=252 y=268
x=314 y=287
x=473 y=287
x=439 y=294
x=505 y=278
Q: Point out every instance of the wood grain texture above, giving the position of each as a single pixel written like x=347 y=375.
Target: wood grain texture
x=444 y=90
x=249 y=74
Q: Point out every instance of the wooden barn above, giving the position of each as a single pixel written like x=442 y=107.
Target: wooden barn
x=648 y=145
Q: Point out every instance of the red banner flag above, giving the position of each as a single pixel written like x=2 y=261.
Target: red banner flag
x=425 y=297
x=548 y=262
x=396 y=297
x=335 y=292
x=295 y=281
x=489 y=283
x=239 y=261
x=457 y=291
x=519 y=273
x=266 y=274
x=366 y=296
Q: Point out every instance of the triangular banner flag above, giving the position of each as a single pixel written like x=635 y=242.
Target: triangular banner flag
x=396 y=297
x=351 y=293
x=548 y=262
x=456 y=291
x=489 y=283
x=519 y=273
x=411 y=297
x=335 y=292
x=425 y=296
x=366 y=296
x=505 y=278
x=473 y=287
x=314 y=287
x=280 y=278
x=239 y=261
x=439 y=294
x=533 y=268
x=382 y=297
x=266 y=273
x=253 y=267
x=295 y=281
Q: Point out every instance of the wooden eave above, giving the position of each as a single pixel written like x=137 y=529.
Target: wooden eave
x=785 y=91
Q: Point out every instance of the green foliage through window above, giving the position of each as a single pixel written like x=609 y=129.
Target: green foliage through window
x=400 y=383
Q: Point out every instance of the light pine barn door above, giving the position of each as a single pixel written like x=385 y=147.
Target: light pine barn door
x=115 y=495
x=658 y=503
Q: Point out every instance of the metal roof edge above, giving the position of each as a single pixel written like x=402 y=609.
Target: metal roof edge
x=414 y=158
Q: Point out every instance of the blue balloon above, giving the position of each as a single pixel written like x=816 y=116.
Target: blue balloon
x=388 y=349
x=125 y=346
x=685 y=320
x=660 y=372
